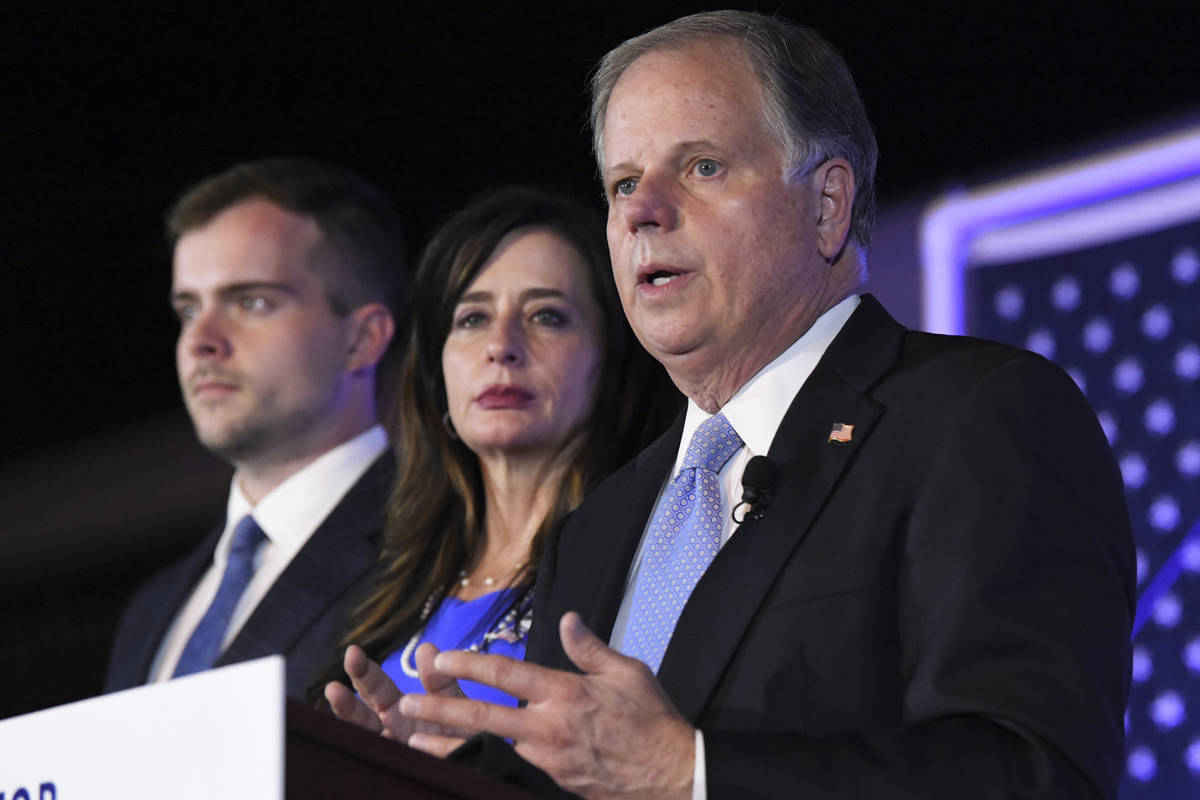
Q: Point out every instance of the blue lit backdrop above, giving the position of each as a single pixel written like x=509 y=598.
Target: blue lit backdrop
x=1096 y=266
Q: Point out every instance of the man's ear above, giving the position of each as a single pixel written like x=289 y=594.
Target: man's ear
x=371 y=331
x=835 y=179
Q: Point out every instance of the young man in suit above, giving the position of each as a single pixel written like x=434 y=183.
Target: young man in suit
x=933 y=600
x=286 y=279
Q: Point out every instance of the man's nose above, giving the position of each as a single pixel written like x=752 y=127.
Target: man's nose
x=205 y=336
x=651 y=205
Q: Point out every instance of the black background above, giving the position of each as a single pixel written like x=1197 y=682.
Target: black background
x=112 y=111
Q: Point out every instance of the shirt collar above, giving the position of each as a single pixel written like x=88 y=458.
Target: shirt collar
x=757 y=408
x=291 y=511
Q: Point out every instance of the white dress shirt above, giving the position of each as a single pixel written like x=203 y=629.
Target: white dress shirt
x=755 y=412
x=288 y=515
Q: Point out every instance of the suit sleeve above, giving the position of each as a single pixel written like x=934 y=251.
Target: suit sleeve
x=1014 y=602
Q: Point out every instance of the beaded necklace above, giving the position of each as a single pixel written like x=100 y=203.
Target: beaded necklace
x=512 y=626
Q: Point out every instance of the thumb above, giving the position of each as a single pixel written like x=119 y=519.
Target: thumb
x=583 y=647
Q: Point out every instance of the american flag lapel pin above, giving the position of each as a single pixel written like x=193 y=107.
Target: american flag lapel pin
x=841 y=432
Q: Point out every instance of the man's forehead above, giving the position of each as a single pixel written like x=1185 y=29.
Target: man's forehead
x=251 y=242
x=681 y=95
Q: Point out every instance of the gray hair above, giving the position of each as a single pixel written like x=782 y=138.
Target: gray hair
x=812 y=105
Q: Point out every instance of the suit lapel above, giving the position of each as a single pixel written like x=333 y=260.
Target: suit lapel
x=729 y=595
x=155 y=608
x=335 y=557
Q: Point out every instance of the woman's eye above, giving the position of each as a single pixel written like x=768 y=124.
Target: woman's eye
x=550 y=317
x=471 y=319
x=706 y=168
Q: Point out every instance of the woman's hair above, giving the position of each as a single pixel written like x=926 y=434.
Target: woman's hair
x=435 y=518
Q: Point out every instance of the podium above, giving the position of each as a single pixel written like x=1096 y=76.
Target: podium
x=228 y=733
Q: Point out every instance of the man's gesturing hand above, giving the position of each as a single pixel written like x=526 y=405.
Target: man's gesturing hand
x=374 y=706
x=611 y=732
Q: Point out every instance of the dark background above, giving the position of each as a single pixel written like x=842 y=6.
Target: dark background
x=108 y=113
x=112 y=113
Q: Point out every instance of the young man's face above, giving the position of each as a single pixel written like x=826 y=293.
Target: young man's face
x=262 y=358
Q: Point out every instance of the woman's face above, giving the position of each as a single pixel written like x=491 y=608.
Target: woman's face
x=524 y=349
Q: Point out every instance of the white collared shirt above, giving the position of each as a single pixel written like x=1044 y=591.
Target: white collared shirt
x=755 y=412
x=288 y=515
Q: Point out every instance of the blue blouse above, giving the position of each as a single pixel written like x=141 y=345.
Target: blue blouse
x=456 y=625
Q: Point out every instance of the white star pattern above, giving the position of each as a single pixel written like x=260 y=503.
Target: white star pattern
x=1121 y=319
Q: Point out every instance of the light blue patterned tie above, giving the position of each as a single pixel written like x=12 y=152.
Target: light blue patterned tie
x=683 y=540
x=204 y=646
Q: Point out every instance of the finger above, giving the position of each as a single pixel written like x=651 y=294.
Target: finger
x=440 y=746
x=372 y=683
x=584 y=648
x=396 y=725
x=434 y=681
x=347 y=707
x=464 y=715
x=517 y=678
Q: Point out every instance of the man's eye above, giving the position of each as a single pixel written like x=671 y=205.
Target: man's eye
x=706 y=168
x=253 y=303
x=625 y=187
x=185 y=313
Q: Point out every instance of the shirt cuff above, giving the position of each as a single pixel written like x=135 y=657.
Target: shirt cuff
x=699 y=784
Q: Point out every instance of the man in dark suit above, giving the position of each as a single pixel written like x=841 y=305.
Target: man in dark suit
x=286 y=278
x=932 y=594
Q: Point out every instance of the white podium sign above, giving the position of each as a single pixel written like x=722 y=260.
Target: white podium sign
x=212 y=734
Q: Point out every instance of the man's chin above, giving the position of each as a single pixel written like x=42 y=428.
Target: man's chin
x=665 y=339
x=232 y=445
x=675 y=350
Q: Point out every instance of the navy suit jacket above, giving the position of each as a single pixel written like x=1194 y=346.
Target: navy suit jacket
x=940 y=607
x=303 y=614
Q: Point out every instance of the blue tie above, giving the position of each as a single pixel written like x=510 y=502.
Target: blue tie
x=683 y=540
x=202 y=649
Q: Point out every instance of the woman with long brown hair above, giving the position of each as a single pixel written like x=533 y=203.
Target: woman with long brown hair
x=521 y=388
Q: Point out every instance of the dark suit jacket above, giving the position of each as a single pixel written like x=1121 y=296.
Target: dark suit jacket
x=302 y=615
x=939 y=608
